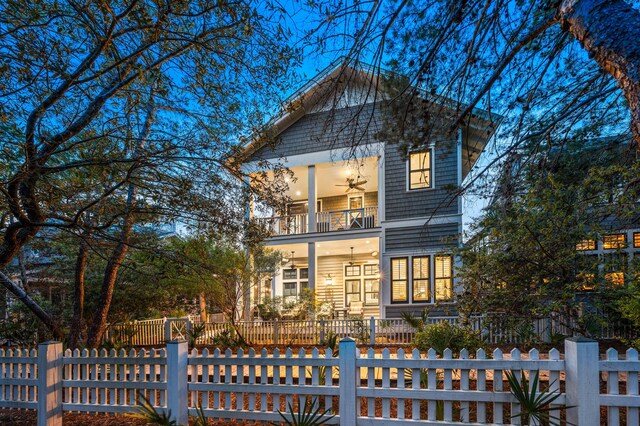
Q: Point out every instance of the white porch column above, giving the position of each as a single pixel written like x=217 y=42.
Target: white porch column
x=312 y=266
x=381 y=192
x=312 y=199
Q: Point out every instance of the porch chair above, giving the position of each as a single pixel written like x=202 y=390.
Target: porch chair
x=356 y=309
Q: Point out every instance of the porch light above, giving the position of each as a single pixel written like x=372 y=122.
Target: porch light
x=328 y=280
x=374 y=253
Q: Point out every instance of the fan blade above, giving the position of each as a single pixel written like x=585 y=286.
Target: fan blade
x=362 y=182
x=359 y=188
x=348 y=189
x=342 y=185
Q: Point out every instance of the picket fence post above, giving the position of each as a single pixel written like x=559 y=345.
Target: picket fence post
x=582 y=381
x=372 y=331
x=348 y=377
x=177 y=394
x=49 y=391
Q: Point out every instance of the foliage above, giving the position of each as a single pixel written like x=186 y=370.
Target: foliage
x=22 y=328
x=311 y=414
x=534 y=404
x=147 y=412
x=196 y=331
x=521 y=262
x=277 y=307
x=443 y=335
x=227 y=338
x=424 y=384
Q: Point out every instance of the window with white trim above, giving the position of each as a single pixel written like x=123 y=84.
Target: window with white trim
x=443 y=266
x=420 y=276
x=399 y=280
x=419 y=173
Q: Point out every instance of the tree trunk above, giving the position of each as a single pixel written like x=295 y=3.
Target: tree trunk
x=76 y=333
x=203 y=307
x=99 y=324
x=43 y=316
x=609 y=31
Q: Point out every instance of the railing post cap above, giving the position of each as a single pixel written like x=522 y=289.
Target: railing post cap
x=581 y=339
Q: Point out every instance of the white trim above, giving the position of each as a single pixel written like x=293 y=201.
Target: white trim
x=432 y=180
x=459 y=163
x=312 y=158
x=435 y=220
x=381 y=188
x=323 y=236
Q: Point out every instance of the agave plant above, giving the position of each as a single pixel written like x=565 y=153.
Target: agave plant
x=534 y=404
x=310 y=415
x=199 y=419
x=147 y=412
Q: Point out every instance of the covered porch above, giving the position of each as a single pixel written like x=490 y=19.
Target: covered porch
x=343 y=274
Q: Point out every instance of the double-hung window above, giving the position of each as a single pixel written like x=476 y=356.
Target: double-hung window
x=294 y=281
x=443 y=277
x=399 y=280
x=421 y=279
x=420 y=170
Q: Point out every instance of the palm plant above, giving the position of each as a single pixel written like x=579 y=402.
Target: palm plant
x=535 y=405
x=310 y=415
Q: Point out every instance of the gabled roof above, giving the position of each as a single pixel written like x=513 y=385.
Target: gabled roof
x=322 y=87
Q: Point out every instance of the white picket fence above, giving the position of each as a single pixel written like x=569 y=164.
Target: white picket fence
x=359 y=389
x=373 y=331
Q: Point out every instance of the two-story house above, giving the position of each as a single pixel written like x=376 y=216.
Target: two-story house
x=367 y=229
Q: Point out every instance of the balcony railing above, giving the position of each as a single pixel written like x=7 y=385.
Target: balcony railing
x=329 y=221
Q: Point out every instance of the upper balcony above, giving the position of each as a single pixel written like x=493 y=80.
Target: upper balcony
x=327 y=197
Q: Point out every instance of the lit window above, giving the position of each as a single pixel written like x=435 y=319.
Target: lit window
x=352 y=290
x=444 y=277
x=614 y=241
x=371 y=292
x=352 y=271
x=615 y=266
x=615 y=278
x=370 y=269
x=420 y=170
x=399 y=281
x=586 y=245
x=421 y=279
x=636 y=239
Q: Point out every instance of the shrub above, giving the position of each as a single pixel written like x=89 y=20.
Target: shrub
x=442 y=335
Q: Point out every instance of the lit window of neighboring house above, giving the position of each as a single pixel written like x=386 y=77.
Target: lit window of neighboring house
x=420 y=170
x=614 y=241
x=586 y=245
x=636 y=239
x=421 y=279
x=444 y=278
x=586 y=268
x=615 y=266
x=399 y=279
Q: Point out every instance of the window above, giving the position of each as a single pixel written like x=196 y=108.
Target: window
x=636 y=239
x=290 y=274
x=352 y=289
x=586 y=245
x=420 y=170
x=614 y=241
x=586 y=271
x=444 y=277
x=399 y=280
x=371 y=291
x=290 y=289
x=615 y=266
x=371 y=270
x=352 y=271
x=304 y=273
x=421 y=279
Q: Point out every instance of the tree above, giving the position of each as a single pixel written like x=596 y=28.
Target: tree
x=522 y=261
x=123 y=114
x=543 y=70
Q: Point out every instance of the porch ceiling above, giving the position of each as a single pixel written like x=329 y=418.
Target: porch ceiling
x=329 y=175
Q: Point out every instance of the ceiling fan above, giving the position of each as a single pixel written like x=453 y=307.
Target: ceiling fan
x=354 y=183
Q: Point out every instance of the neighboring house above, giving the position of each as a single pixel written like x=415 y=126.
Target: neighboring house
x=369 y=232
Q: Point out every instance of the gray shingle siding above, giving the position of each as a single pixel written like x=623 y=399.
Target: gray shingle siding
x=321 y=131
x=422 y=237
x=403 y=204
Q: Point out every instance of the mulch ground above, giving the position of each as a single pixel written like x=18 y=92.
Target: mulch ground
x=28 y=417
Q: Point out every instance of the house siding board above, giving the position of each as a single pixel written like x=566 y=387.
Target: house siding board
x=322 y=131
x=422 y=237
x=403 y=204
x=340 y=202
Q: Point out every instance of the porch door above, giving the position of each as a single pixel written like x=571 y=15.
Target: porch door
x=356 y=211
